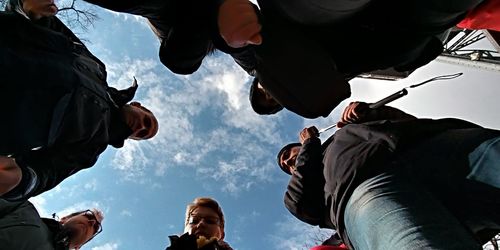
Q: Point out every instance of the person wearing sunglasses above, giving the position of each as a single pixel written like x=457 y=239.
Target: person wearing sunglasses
x=203 y=227
x=60 y=113
x=387 y=180
x=21 y=227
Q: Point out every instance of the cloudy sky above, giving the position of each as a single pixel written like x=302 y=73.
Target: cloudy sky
x=210 y=143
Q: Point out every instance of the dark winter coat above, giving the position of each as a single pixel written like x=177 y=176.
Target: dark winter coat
x=187 y=29
x=305 y=64
x=21 y=228
x=189 y=242
x=327 y=174
x=58 y=113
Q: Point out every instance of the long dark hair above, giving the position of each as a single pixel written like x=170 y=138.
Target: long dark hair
x=12 y=4
x=16 y=6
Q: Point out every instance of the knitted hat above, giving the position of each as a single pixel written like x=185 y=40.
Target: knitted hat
x=286 y=147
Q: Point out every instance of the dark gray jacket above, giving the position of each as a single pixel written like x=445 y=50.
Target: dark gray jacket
x=187 y=29
x=327 y=174
x=58 y=113
x=21 y=228
x=305 y=63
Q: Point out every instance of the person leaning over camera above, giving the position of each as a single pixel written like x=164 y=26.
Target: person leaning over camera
x=385 y=173
x=60 y=113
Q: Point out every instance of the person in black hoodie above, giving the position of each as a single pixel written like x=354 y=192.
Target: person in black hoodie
x=387 y=180
x=59 y=114
x=311 y=49
x=302 y=52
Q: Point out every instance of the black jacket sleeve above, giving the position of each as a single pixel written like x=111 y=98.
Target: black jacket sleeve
x=304 y=197
x=386 y=113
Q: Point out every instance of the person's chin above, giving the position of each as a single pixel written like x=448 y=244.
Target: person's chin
x=52 y=10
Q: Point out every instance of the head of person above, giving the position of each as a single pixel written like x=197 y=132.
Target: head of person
x=287 y=156
x=140 y=120
x=33 y=9
x=261 y=101
x=83 y=226
x=204 y=217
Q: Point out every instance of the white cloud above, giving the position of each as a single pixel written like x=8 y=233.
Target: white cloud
x=120 y=74
x=39 y=202
x=126 y=213
x=293 y=234
x=91 y=185
x=107 y=246
x=130 y=160
x=231 y=147
x=84 y=205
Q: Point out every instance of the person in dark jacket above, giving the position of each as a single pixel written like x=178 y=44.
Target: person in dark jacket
x=261 y=101
x=191 y=30
x=387 y=180
x=187 y=29
x=302 y=54
x=311 y=49
x=22 y=228
x=203 y=227
x=59 y=113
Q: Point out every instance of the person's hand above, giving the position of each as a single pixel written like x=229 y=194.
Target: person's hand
x=306 y=133
x=10 y=174
x=355 y=112
x=238 y=23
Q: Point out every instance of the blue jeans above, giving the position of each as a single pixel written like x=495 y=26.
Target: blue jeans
x=393 y=211
x=485 y=163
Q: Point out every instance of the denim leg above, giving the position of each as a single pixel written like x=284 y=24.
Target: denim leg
x=484 y=162
x=392 y=212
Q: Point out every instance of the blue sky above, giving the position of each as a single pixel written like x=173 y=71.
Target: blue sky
x=210 y=143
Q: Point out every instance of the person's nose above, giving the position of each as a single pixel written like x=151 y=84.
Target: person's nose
x=199 y=225
x=141 y=130
x=202 y=223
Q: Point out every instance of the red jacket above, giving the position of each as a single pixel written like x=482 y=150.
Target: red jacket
x=484 y=16
x=340 y=247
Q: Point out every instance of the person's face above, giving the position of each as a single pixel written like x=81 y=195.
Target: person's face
x=204 y=221
x=267 y=100
x=288 y=158
x=84 y=227
x=141 y=121
x=37 y=9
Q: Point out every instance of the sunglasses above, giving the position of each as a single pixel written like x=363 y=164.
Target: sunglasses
x=90 y=215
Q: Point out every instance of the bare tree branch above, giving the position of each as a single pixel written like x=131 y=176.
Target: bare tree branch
x=2 y=4
x=74 y=15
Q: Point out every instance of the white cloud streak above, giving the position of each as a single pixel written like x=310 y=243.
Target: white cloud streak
x=107 y=246
x=205 y=122
x=293 y=234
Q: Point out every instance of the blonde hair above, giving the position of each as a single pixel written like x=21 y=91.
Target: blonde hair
x=208 y=203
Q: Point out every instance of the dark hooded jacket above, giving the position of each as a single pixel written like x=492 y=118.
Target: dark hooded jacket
x=189 y=242
x=21 y=228
x=328 y=173
x=305 y=64
x=187 y=29
x=58 y=112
